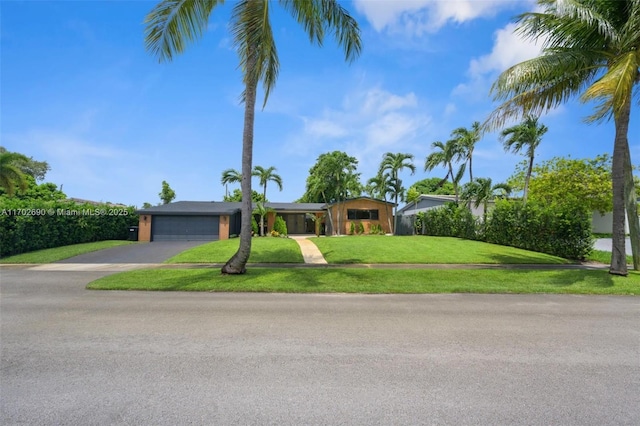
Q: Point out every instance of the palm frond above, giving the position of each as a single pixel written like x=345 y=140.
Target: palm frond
x=173 y=24
x=614 y=89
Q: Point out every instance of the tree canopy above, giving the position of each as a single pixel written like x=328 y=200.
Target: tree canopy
x=570 y=181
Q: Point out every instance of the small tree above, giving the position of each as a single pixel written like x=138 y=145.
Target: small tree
x=280 y=226
x=167 y=194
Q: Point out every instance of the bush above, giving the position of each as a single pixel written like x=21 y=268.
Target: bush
x=254 y=226
x=280 y=226
x=360 y=228
x=352 y=228
x=375 y=229
x=560 y=230
x=29 y=225
x=451 y=220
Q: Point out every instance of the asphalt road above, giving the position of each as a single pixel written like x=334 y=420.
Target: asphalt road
x=71 y=356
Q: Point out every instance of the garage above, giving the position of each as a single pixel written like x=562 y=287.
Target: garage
x=185 y=228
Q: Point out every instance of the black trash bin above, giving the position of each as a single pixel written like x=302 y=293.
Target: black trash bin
x=133 y=233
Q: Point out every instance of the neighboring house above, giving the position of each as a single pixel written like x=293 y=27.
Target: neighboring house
x=211 y=220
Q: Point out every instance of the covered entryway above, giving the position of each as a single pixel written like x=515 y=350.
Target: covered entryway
x=185 y=228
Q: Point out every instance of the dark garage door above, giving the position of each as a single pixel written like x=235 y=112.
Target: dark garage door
x=185 y=228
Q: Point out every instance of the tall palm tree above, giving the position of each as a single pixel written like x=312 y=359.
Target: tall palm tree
x=172 y=24
x=447 y=154
x=590 y=49
x=525 y=136
x=394 y=164
x=481 y=191
x=467 y=140
x=10 y=173
x=266 y=175
x=230 y=176
x=379 y=187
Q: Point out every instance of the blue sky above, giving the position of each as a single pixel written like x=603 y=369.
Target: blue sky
x=79 y=91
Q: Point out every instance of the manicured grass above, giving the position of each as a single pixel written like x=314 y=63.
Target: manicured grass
x=362 y=280
x=263 y=250
x=423 y=249
x=61 y=253
x=604 y=257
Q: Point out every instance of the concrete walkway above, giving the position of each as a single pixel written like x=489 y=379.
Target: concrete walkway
x=310 y=251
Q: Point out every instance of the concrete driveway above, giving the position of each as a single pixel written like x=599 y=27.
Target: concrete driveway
x=72 y=356
x=154 y=252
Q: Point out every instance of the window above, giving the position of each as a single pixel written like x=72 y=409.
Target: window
x=353 y=214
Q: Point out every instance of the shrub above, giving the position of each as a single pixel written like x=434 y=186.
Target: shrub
x=29 y=225
x=451 y=220
x=352 y=228
x=375 y=229
x=280 y=226
x=254 y=226
x=560 y=230
x=360 y=228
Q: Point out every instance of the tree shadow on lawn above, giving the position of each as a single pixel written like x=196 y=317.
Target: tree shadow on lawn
x=570 y=277
x=527 y=259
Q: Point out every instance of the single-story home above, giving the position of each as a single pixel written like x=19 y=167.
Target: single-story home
x=215 y=220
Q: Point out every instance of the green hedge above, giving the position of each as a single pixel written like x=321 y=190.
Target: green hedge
x=449 y=221
x=28 y=225
x=558 y=230
x=555 y=229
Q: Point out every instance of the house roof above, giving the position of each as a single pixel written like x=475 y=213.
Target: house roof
x=193 y=208
x=224 y=208
x=442 y=198
x=391 y=203
x=227 y=208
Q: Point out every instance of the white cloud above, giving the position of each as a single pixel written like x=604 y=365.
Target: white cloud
x=416 y=17
x=508 y=49
x=369 y=123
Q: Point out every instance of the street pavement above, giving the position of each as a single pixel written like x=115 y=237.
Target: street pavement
x=70 y=356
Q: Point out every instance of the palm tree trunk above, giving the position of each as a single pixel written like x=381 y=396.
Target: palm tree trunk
x=329 y=214
x=395 y=215
x=470 y=167
x=264 y=200
x=526 y=180
x=237 y=263
x=618 y=254
x=632 y=210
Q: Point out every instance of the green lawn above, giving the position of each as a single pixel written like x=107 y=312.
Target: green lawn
x=604 y=257
x=422 y=249
x=61 y=253
x=263 y=250
x=362 y=280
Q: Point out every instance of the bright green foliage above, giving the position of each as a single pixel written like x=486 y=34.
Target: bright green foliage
x=435 y=186
x=567 y=181
x=280 y=226
x=359 y=228
x=29 y=225
x=413 y=195
x=352 y=228
x=167 y=194
x=562 y=229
